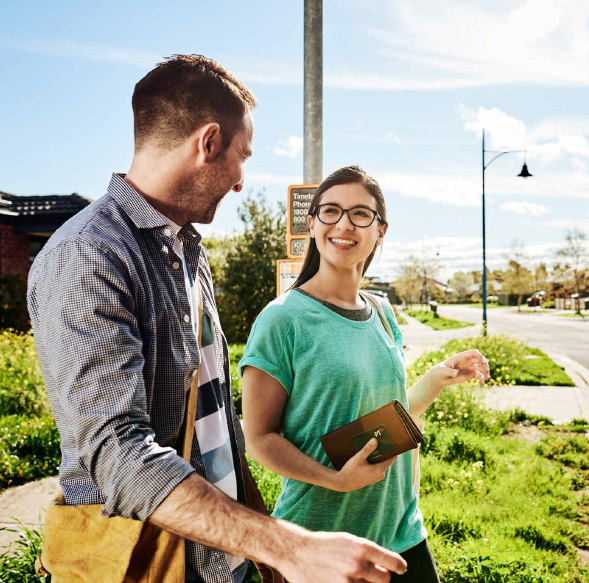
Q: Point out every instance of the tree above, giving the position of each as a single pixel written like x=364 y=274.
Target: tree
x=518 y=278
x=461 y=283
x=428 y=267
x=576 y=252
x=13 y=302
x=409 y=283
x=540 y=277
x=244 y=265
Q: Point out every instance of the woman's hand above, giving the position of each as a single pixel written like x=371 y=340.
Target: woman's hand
x=461 y=367
x=359 y=472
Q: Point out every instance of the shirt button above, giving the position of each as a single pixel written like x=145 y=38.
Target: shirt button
x=168 y=232
x=186 y=318
x=175 y=265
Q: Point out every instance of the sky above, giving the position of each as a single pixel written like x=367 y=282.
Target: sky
x=408 y=88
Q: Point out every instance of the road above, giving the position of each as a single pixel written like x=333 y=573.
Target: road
x=546 y=331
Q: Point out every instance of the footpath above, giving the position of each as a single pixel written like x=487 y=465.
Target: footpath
x=561 y=404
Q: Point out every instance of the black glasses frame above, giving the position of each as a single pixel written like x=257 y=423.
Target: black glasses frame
x=374 y=214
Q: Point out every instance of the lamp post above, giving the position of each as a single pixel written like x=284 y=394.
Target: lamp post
x=523 y=174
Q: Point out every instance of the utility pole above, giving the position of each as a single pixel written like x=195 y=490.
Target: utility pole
x=313 y=88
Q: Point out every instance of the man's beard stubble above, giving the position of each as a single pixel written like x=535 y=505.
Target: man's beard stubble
x=197 y=195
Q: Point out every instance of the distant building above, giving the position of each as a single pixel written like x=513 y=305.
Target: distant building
x=27 y=222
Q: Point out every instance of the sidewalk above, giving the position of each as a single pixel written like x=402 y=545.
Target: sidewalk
x=25 y=502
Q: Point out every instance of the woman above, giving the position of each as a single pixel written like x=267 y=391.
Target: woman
x=317 y=358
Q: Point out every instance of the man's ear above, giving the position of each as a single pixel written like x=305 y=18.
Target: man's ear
x=209 y=142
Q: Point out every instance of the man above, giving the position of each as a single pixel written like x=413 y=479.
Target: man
x=114 y=310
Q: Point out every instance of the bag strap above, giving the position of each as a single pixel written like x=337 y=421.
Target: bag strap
x=370 y=298
x=190 y=419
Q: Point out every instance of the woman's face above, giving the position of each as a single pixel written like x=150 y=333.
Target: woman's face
x=344 y=244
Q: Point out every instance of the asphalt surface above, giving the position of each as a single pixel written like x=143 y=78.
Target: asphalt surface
x=547 y=331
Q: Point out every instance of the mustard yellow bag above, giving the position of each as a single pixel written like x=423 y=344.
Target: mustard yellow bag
x=83 y=547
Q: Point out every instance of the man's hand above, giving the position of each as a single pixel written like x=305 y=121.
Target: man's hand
x=359 y=472
x=340 y=558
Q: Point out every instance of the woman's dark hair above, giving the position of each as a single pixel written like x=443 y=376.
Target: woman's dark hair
x=347 y=175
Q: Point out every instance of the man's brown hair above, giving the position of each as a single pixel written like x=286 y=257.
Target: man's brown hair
x=183 y=93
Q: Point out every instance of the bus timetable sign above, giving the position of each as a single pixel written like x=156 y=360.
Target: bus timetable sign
x=299 y=201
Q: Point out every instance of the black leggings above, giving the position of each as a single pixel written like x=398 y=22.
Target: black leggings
x=421 y=566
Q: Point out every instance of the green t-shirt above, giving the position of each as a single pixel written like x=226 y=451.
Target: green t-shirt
x=335 y=370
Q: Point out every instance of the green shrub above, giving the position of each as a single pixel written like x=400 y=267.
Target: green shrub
x=17 y=564
x=570 y=450
x=22 y=389
x=541 y=539
x=451 y=529
x=13 y=302
x=519 y=416
x=268 y=483
x=235 y=355
x=29 y=449
x=483 y=568
x=507 y=362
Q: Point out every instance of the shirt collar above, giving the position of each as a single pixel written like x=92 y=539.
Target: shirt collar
x=139 y=210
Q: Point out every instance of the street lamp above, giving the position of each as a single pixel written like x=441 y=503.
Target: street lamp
x=523 y=174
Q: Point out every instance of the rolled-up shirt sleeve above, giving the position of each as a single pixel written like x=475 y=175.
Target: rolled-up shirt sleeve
x=90 y=347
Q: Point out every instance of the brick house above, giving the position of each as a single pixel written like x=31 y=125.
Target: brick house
x=27 y=222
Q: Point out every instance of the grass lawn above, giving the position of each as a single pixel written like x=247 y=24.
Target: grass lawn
x=575 y=315
x=437 y=323
x=505 y=495
x=490 y=306
x=511 y=362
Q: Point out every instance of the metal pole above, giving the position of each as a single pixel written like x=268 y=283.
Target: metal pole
x=313 y=116
x=484 y=250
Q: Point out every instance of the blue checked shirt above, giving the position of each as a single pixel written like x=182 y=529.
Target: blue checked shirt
x=113 y=331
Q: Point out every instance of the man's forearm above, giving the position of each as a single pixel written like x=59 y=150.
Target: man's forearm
x=198 y=511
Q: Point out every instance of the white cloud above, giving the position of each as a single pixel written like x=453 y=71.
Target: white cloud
x=454 y=254
x=447 y=189
x=100 y=52
x=524 y=208
x=461 y=44
x=546 y=141
x=290 y=147
x=502 y=131
x=568 y=225
x=461 y=185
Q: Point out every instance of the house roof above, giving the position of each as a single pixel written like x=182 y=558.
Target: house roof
x=43 y=205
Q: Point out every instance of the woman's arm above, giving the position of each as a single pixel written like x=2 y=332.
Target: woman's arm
x=263 y=401
x=459 y=368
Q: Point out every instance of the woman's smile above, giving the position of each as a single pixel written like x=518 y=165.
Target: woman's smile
x=342 y=243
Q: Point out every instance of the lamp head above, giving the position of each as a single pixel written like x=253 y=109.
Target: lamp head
x=524 y=173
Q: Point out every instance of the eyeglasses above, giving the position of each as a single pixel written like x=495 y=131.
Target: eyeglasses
x=360 y=216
